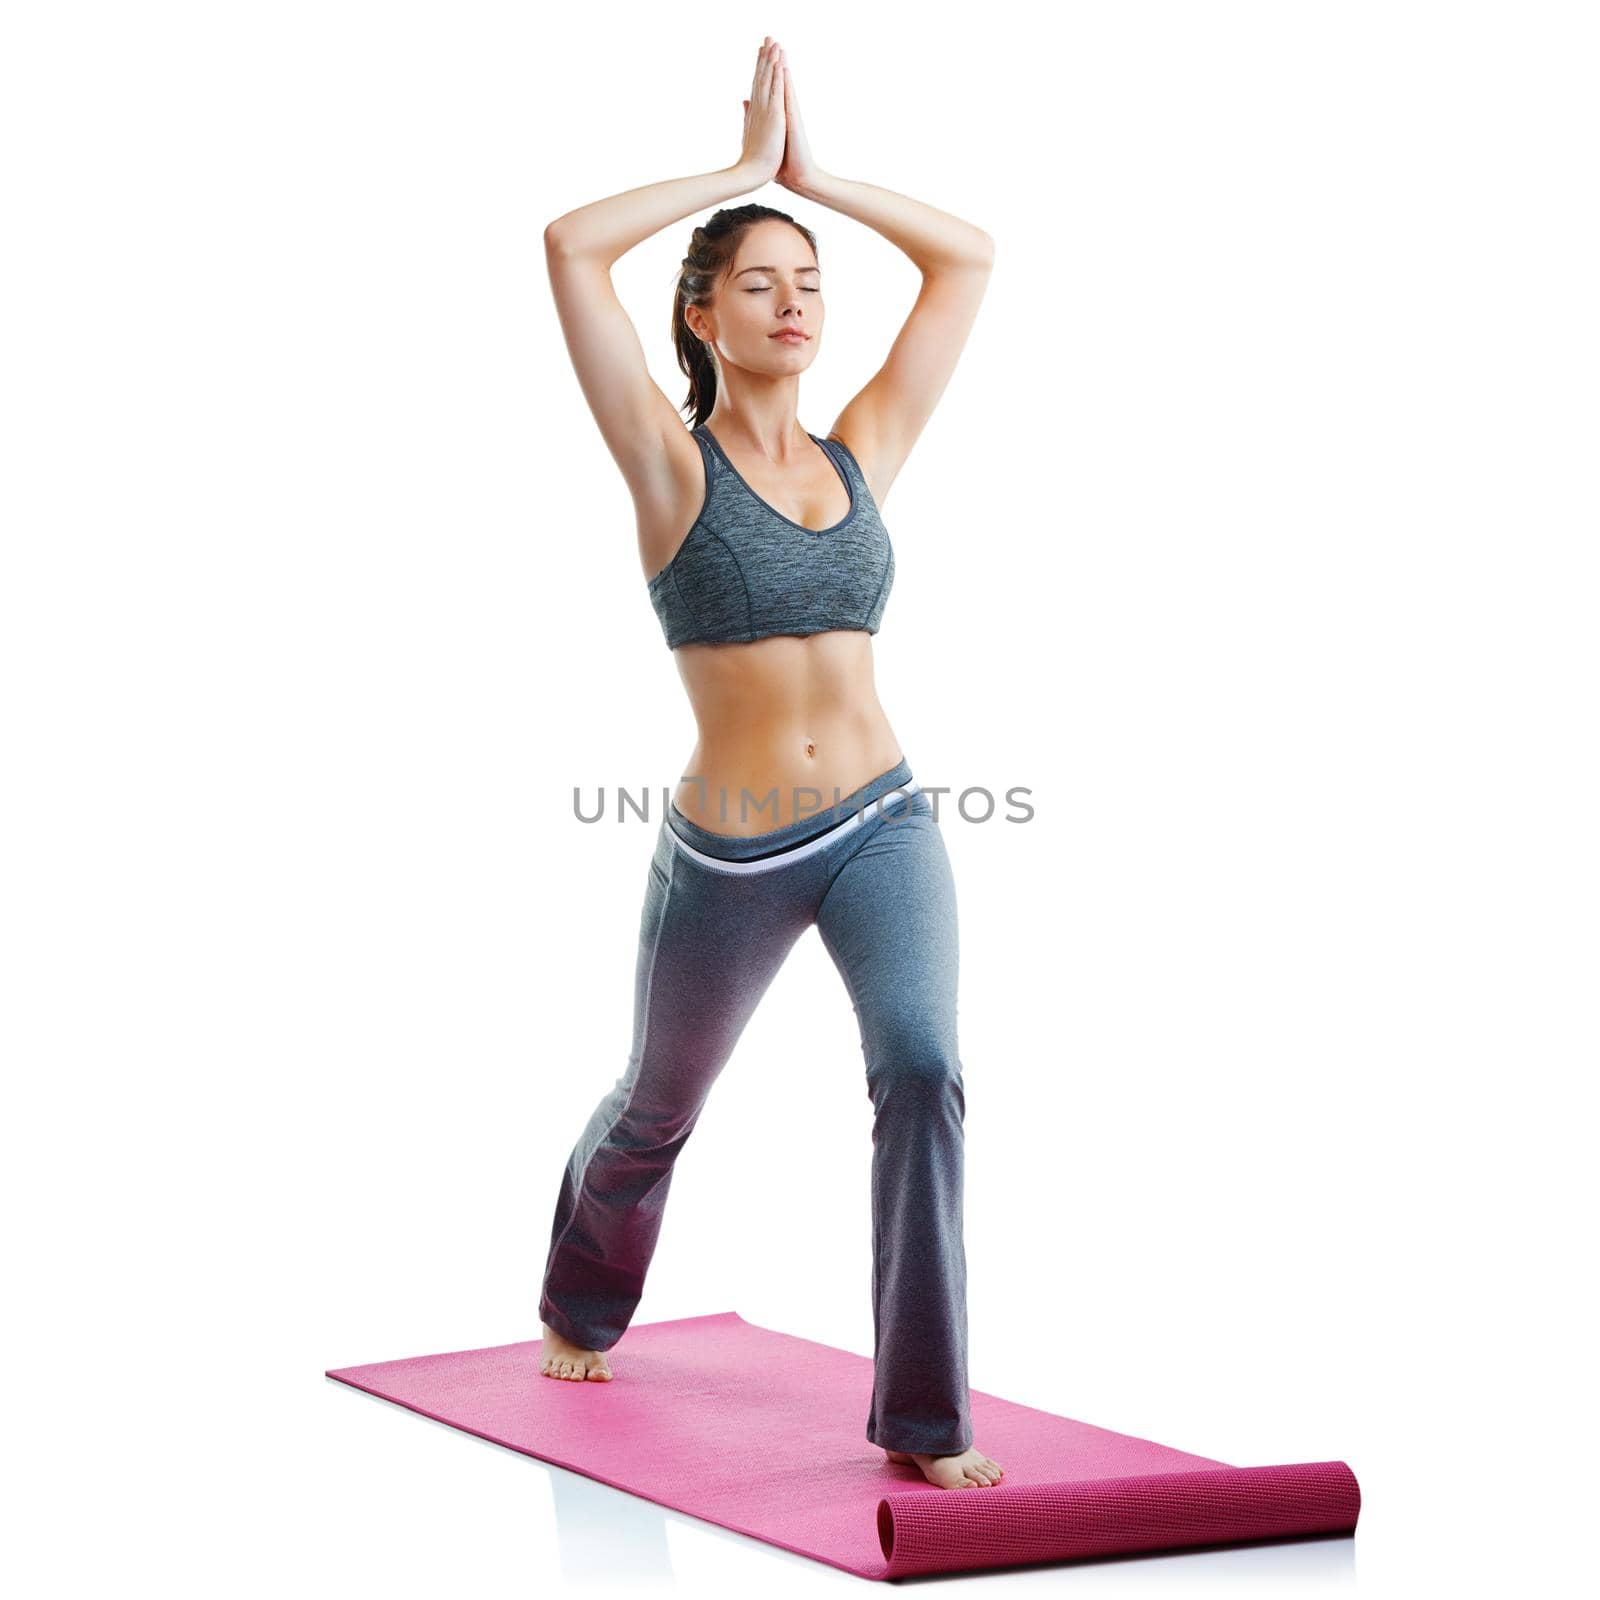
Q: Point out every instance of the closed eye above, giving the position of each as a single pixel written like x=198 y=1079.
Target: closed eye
x=765 y=288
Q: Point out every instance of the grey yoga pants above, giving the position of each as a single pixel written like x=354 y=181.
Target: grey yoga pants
x=721 y=914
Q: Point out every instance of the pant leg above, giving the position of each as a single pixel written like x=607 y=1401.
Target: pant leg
x=888 y=920
x=709 y=945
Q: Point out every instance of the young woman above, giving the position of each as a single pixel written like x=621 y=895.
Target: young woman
x=769 y=602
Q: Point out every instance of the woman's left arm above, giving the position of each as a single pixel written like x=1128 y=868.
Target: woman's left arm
x=935 y=240
x=881 y=424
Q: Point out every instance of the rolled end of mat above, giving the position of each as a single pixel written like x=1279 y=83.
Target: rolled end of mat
x=1008 y=1525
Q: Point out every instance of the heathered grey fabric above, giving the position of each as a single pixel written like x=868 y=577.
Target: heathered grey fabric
x=746 y=571
x=882 y=899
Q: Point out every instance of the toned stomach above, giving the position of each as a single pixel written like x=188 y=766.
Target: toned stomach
x=783 y=723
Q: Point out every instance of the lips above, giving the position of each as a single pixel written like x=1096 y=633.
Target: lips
x=790 y=338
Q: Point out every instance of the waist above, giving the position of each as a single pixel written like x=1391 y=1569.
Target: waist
x=750 y=776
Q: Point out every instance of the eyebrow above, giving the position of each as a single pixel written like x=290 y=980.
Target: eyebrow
x=742 y=270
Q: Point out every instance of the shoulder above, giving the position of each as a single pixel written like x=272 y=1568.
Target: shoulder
x=856 y=465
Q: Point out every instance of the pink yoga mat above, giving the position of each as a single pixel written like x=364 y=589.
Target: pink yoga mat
x=762 y=1433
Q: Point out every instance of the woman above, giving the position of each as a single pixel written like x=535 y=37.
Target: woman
x=769 y=602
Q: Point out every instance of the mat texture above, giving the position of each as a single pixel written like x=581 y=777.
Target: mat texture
x=762 y=1432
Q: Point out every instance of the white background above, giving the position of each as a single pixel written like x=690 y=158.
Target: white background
x=1254 y=534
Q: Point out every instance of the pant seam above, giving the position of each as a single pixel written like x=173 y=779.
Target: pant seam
x=644 y=1044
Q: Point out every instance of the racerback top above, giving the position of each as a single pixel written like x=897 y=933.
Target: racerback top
x=746 y=571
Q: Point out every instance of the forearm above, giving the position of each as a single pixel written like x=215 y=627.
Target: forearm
x=932 y=238
x=609 y=228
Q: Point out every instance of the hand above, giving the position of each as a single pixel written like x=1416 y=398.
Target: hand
x=798 y=169
x=763 y=115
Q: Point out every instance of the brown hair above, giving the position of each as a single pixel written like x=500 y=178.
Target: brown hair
x=712 y=247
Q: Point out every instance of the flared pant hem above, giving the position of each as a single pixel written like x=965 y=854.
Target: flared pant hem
x=924 y=1443
x=570 y=1330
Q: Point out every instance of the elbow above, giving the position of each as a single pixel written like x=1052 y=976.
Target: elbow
x=975 y=253
x=554 y=240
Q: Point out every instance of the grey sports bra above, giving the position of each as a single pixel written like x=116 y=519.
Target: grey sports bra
x=746 y=571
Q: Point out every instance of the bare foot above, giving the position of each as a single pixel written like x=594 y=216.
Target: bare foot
x=563 y=1359
x=970 y=1469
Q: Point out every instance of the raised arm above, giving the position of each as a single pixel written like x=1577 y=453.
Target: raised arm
x=640 y=425
x=883 y=421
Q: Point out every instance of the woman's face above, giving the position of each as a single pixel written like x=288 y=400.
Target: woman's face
x=771 y=294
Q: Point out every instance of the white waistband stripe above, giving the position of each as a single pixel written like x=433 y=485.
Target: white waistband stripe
x=822 y=840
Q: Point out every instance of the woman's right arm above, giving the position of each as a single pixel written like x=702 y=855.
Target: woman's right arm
x=642 y=428
x=633 y=414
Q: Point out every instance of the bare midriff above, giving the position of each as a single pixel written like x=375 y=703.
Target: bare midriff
x=784 y=722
